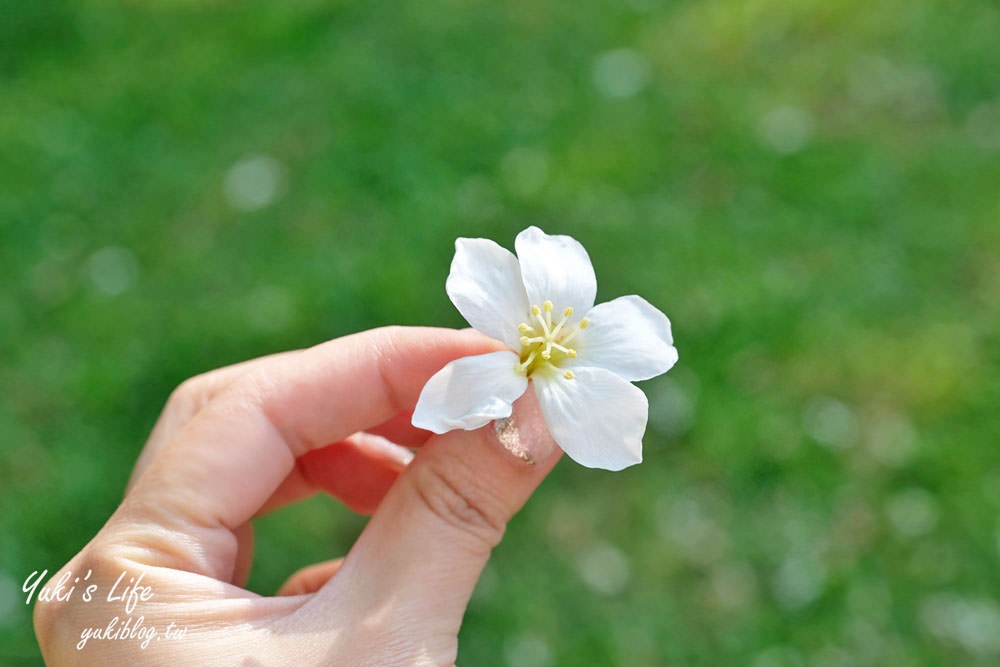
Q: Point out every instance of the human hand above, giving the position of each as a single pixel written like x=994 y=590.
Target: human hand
x=243 y=440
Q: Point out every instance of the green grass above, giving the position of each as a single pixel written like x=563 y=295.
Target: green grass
x=808 y=189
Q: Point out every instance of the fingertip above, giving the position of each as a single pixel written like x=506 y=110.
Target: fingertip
x=310 y=579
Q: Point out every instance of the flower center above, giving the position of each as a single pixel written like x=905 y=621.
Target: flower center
x=545 y=343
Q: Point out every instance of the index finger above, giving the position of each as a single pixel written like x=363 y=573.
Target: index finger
x=226 y=462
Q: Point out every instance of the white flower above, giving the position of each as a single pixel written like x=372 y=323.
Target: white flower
x=581 y=358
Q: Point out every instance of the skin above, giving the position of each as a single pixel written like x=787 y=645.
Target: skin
x=247 y=439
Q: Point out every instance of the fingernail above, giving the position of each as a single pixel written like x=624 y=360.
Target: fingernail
x=509 y=437
x=524 y=434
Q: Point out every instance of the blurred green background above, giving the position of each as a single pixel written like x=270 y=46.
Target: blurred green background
x=809 y=190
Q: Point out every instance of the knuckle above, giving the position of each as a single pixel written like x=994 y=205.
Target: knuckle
x=62 y=603
x=254 y=388
x=190 y=389
x=187 y=397
x=456 y=496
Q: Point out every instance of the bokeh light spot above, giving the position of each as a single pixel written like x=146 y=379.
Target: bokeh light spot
x=621 y=73
x=799 y=580
x=253 y=183
x=604 y=569
x=830 y=422
x=910 y=91
x=912 y=512
x=527 y=649
x=112 y=270
x=786 y=129
x=972 y=623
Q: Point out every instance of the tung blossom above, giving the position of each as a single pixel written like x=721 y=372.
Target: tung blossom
x=581 y=358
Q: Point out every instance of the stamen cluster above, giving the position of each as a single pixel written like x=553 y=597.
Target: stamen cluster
x=546 y=343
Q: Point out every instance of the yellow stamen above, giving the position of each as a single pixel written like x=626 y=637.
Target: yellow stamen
x=569 y=375
x=545 y=342
x=540 y=319
x=555 y=331
x=562 y=348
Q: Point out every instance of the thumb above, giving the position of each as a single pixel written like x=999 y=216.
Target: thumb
x=420 y=556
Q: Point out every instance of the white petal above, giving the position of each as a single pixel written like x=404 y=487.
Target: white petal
x=470 y=392
x=597 y=417
x=485 y=285
x=627 y=336
x=556 y=268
